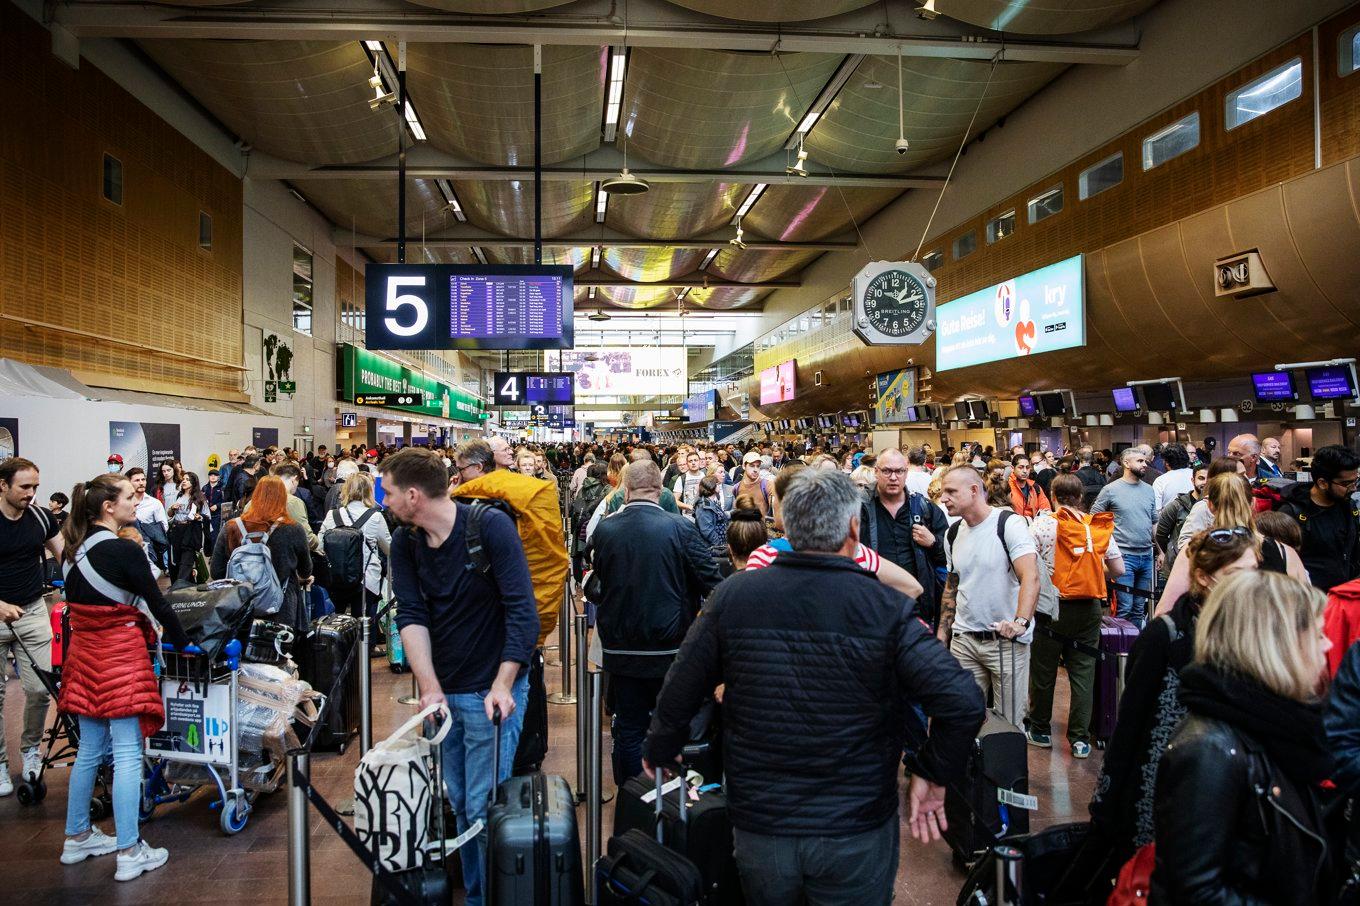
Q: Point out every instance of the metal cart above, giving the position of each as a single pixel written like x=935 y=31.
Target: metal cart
x=200 y=696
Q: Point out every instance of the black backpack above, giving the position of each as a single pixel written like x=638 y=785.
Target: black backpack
x=347 y=550
x=585 y=504
x=476 y=508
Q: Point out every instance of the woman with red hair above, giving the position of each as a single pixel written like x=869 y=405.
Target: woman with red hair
x=267 y=515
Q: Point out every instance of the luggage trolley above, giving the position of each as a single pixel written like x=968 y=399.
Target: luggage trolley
x=200 y=696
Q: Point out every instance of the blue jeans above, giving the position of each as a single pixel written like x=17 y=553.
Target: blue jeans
x=1138 y=573
x=124 y=735
x=632 y=700
x=467 y=769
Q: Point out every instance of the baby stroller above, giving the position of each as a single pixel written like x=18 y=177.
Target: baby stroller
x=61 y=741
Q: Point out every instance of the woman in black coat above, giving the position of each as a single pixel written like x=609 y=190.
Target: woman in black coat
x=1238 y=815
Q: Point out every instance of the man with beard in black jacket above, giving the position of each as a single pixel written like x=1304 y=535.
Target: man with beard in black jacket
x=654 y=570
x=819 y=662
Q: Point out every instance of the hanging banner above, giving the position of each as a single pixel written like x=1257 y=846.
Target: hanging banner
x=145 y=444
x=363 y=373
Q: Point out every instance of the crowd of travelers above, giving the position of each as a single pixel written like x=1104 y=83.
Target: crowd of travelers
x=827 y=602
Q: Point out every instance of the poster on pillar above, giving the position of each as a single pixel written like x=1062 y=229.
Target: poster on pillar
x=144 y=444
x=264 y=437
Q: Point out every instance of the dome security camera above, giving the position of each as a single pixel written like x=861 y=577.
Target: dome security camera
x=902 y=145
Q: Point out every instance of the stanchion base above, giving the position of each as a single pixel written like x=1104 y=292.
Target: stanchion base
x=606 y=797
x=561 y=698
x=408 y=700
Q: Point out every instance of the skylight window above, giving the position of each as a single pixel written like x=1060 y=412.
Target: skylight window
x=1260 y=96
x=1171 y=141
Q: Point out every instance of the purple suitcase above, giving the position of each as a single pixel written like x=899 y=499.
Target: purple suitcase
x=1116 y=641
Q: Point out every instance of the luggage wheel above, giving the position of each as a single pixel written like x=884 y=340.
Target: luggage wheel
x=100 y=808
x=235 y=813
x=31 y=792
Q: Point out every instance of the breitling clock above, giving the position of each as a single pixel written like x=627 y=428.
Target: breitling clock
x=894 y=304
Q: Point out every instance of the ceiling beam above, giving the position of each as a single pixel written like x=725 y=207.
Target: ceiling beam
x=694 y=280
x=466 y=234
x=650 y=23
x=427 y=162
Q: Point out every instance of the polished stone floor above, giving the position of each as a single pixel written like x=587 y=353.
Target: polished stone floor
x=251 y=867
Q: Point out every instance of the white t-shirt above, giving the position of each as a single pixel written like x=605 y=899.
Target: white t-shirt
x=1170 y=484
x=918 y=482
x=989 y=590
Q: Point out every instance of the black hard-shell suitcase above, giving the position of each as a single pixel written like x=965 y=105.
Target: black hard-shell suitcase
x=323 y=655
x=534 y=847
x=701 y=831
x=638 y=870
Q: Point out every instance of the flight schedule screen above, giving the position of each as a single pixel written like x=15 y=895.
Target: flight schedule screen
x=485 y=306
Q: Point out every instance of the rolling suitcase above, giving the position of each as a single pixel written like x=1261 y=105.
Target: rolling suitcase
x=638 y=869
x=323 y=654
x=700 y=830
x=1047 y=859
x=533 y=846
x=1116 y=641
x=998 y=766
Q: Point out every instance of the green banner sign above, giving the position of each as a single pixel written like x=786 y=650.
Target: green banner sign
x=363 y=372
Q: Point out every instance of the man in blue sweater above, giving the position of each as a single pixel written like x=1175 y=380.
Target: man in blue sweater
x=468 y=635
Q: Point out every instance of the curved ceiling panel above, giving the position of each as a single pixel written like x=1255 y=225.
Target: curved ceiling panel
x=806 y=214
x=477 y=100
x=492 y=7
x=651 y=265
x=635 y=297
x=304 y=101
x=674 y=210
x=372 y=205
x=508 y=207
x=415 y=254
x=858 y=132
x=577 y=258
x=706 y=108
x=724 y=298
x=747 y=266
x=773 y=10
x=1043 y=17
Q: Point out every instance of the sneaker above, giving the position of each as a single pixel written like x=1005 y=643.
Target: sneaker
x=1081 y=749
x=138 y=859
x=6 y=785
x=97 y=843
x=32 y=763
x=1042 y=740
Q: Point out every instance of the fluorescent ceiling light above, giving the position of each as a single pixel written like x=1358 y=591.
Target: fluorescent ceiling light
x=823 y=101
x=478 y=254
x=386 y=70
x=708 y=259
x=450 y=199
x=613 y=106
x=592 y=292
x=414 y=121
x=808 y=122
x=594 y=261
x=750 y=201
x=374 y=46
x=601 y=203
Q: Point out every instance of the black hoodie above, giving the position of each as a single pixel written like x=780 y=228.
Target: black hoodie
x=1331 y=536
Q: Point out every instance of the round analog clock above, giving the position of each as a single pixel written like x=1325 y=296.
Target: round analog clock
x=895 y=303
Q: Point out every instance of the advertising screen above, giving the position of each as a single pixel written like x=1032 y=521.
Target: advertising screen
x=454 y=306
x=702 y=407
x=896 y=391
x=1274 y=386
x=1124 y=400
x=1042 y=311
x=524 y=388
x=1028 y=407
x=640 y=371
x=1330 y=382
x=1160 y=397
x=778 y=384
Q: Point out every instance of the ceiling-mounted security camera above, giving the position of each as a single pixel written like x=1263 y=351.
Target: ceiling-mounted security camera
x=901 y=145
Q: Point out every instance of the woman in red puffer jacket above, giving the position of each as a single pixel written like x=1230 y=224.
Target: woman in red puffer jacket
x=107 y=677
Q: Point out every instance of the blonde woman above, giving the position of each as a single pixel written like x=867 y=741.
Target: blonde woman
x=358 y=509
x=1237 y=811
x=1229 y=500
x=864 y=478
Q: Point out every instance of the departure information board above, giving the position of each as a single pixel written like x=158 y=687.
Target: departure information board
x=524 y=388
x=451 y=306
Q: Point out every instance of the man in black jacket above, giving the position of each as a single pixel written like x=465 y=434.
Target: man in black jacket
x=1328 y=517
x=905 y=528
x=654 y=570
x=819 y=661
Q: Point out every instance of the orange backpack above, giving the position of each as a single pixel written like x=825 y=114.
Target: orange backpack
x=1079 y=555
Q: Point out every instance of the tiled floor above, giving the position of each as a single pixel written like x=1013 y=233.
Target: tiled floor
x=207 y=866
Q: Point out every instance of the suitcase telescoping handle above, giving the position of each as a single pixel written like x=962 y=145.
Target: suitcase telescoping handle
x=495 y=750
x=684 y=795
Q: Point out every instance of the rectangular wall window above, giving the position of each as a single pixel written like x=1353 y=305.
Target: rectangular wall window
x=1348 y=51
x=1000 y=226
x=1262 y=95
x=302 y=290
x=205 y=231
x=1171 y=141
x=1098 y=177
x=965 y=245
x=1046 y=204
x=113 y=179
x=933 y=260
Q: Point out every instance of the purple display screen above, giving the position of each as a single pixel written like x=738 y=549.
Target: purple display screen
x=486 y=306
x=1274 y=386
x=1124 y=400
x=1028 y=407
x=550 y=388
x=1330 y=382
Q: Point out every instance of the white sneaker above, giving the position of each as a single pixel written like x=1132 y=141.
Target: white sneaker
x=6 y=785
x=32 y=763
x=97 y=843
x=138 y=859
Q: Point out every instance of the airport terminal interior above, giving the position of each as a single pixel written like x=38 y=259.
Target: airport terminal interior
x=857 y=278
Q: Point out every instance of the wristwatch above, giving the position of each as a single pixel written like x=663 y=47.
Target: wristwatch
x=1023 y=621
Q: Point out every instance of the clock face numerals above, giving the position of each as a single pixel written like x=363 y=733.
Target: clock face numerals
x=895 y=303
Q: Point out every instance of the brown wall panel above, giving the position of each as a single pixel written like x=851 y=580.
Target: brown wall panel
x=1339 y=96
x=1329 y=252
x=129 y=297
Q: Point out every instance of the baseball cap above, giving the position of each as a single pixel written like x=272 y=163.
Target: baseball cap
x=372 y=453
x=114 y=457
x=750 y=457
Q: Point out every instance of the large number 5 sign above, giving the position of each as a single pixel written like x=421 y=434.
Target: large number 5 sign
x=397 y=300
